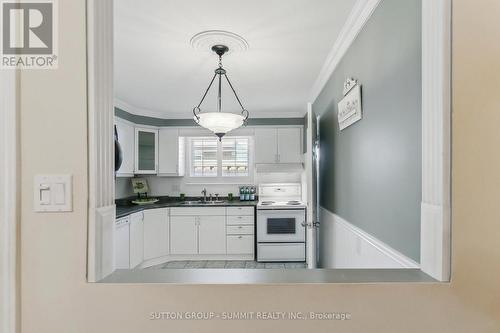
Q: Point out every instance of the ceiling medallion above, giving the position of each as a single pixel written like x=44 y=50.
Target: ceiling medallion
x=220 y=123
x=206 y=39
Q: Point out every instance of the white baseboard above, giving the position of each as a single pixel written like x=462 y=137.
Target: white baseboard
x=343 y=245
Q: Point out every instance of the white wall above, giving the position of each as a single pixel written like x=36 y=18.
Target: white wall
x=173 y=186
x=56 y=297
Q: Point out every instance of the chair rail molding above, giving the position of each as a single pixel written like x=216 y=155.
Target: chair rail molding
x=100 y=127
x=9 y=201
x=360 y=14
x=435 y=246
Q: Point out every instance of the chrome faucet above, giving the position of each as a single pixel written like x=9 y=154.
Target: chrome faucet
x=204 y=192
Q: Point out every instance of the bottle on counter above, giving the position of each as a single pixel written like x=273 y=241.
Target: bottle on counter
x=252 y=193
x=242 y=193
x=247 y=193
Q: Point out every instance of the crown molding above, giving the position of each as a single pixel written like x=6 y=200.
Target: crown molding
x=121 y=104
x=360 y=14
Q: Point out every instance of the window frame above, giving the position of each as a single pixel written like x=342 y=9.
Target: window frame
x=219 y=178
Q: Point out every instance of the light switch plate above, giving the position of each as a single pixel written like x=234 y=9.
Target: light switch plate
x=53 y=193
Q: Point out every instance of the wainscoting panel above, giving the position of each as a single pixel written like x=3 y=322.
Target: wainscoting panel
x=343 y=245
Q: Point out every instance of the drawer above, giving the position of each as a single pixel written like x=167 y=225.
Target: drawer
x=281 y=252
x=240 y=245
x=240 y=211
x=237 y=220
x=197 y=211
x=239 y=230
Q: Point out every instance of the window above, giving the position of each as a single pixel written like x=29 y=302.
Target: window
x=204 y=157
x=235 y=157
x=211 y=158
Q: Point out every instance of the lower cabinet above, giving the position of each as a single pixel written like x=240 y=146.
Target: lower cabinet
x=240 y=244
x=136 y=239
x=156 y=236
x=198 y=235
x=212 y=235
x=189 y=231
x=183 y=235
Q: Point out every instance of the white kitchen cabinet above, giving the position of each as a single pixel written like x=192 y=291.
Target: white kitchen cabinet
x=136 y=239
x=240 y=244
x=171 y=153
x=212 y=235
x=183 y=235
x=278 y=145
x=122 y=243
x=156 y=233
x=289 y=145
x=146 y=151
x=266 y=145
x=126 y=134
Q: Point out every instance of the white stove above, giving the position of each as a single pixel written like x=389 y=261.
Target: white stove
x=269 y=204
x=281 y=223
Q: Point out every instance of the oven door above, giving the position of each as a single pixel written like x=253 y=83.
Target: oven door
x=280 y=226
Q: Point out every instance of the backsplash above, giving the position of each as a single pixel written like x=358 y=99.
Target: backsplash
x=172 y=186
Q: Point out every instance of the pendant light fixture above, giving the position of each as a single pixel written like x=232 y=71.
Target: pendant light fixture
x=220 y=123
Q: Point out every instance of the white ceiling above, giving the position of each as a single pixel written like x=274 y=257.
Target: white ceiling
x=158 y=73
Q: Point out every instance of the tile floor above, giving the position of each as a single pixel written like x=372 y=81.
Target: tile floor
x=229 y=264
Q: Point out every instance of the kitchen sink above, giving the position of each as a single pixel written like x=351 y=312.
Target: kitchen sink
x=202 y=203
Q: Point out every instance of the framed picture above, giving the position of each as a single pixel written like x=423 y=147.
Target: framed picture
x=350 y=110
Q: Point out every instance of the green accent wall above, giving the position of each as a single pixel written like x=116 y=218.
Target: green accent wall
x=160 y=122
x=371 y=172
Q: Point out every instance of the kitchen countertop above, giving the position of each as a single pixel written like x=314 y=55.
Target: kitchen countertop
x=125 y=207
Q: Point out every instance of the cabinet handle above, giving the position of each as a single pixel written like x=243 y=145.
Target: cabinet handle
x=240 y=237
x=240 y=227
x=240 y=217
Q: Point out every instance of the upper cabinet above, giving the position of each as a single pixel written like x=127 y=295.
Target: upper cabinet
x=126 y=134
x=278 y=145
x=171 y=153
x=146 y=151
x=289 y=145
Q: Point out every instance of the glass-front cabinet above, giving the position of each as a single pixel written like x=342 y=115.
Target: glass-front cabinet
x=146 y=151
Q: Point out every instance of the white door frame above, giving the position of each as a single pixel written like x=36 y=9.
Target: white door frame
x=101 y=224
x=435 y=238
x=9 y=202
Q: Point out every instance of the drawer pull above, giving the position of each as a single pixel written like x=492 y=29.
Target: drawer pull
x=240 y=237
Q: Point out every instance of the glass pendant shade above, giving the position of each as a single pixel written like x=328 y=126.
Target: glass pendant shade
x=220 y=122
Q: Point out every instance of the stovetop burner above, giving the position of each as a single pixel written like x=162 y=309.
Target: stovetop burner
x=267 y=203
x=293 y=203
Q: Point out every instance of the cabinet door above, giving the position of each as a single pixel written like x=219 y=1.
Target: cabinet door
x=212 y=234
x=155 y=233
x=136 y=239
x=266 y=145
x=170 y=154
x=126 y=135
x=146 y=151
x=183 y=235
x=289 y=145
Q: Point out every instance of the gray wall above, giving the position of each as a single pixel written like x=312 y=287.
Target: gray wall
x=371 y=172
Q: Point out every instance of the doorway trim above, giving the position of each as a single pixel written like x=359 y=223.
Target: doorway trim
x=9 y=202
x=435 y=220
x=436 y=112
x=101 y=203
